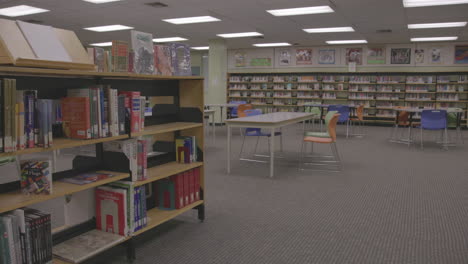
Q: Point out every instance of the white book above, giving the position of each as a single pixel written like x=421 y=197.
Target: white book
x=115 y=111
x=7 y=223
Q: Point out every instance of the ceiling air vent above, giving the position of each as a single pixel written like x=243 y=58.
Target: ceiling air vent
x=33 y=21
x=258 y=37
x=156 y=4
x=384 y=31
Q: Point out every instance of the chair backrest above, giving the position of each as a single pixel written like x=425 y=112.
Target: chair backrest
x=332 y=126
x=434 y=119
x=360 y=112
x=403 y=118
x=343 y=110
x=329 y=116
x=234 y=109
x=241 y=108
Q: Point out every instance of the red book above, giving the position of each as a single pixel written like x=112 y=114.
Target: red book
x=178 y=181
x=111 y=215
x=191 y=186
x=144 y=160
x=186 y=188
x=134 y=107
x=196 y=172
x=76 y=117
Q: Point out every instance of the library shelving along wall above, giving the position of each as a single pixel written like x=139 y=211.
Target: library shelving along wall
x=163 y=153
x=379 y=93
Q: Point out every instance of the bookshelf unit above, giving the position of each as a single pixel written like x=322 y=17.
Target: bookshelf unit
x=186 y=95
x=378 y=92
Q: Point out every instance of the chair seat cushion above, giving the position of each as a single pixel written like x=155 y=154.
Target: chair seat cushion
x=317 y=134
x=318 y=139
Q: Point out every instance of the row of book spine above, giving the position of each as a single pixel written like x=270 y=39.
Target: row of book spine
x=186 y=149
x=178 y=191
x=25 y=237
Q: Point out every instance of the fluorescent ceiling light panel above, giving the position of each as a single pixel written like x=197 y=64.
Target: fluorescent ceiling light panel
x=159 y=40
x=191 y=20
x=102 y=44
x=279 y=44
x=434 y=39
x=201 y=48
x=329 y=29
x=240 y=35
x=437 y=25
x=301 y=11
x=21 y=10
x=108 y=28
x=419 y=3
x=359 y=41
x=100 y=1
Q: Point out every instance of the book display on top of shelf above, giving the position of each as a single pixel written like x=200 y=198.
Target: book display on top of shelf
x=181 y=59
x=142 y=46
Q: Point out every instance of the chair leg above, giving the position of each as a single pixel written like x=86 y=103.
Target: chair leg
x=421 y=137
x=347 y=128
x=256 y=145
x=336 y=154
x=242 y=146
x=445 y=139
x=301 y=166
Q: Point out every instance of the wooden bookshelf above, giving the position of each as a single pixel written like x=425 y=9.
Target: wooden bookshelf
x=165 y=128
x=13 y=200
x=166 y=170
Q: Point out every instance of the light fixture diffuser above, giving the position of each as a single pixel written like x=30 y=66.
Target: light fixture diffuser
x=437 y=25
x=329 y=29
x=102 y=44
x=240 y=35
x=108 y=28
x=171 y=39
x=191 y=20
x=301 y=11
x=357 y=41
x=433 y=39
x=201 y=48
x=419 y=3
x=101 y=1
x=278 y=44
x=21 y=10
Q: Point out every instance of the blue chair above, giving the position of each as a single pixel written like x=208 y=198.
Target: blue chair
x=434 y=120
x=257 y=132
x=233 y=110
x=344 y=112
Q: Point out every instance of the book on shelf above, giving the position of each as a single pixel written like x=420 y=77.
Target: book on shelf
x=163 y=60
x=186 y=149
x=84 y=246
x=85 y=178
x=178 y=191
x=97 y=56
x=76 y=117
x=111 y=210
x=36 y=176
x=133 y=107
x=119 y=56
x=142 y=46
x=181 y=61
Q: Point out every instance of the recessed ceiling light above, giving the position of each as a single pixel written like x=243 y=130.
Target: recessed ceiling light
x=437 y=25
x=418 y=3
x=434 y=39
x=358 y=41
x=301 y=11
x=201 y=48
x=169 y=39
x=21 y=10
x=191 y=20
x=108 y=28
x=329 y=29
x=279 y=44
x=102 y=44
x=240 y=35
x=100 y=1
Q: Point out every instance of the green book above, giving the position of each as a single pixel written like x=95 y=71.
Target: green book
x=4 y=247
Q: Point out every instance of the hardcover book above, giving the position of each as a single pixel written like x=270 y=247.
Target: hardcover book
x=36 y=176
x=76 y=117
x=142 y=46
x=163 y=60
x=119 y=56
x=181 y=59
x=111 y=210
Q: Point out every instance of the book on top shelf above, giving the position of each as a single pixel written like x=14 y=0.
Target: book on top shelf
x=181 y=61
x=119 y=53
x=142 y=46
x=163 y=60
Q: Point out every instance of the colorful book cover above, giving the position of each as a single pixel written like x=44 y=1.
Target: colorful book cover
x=181 y=59
x=76 y=117
x=99 y=59
x=111 y=210
x=36 y=176
x=129 y=186
x=142 y=46
x=163 y=60
x=85 y=178
x=119 y=56
x=134 y=108
x=122 y=111
x=29 y=99
x=178 y=181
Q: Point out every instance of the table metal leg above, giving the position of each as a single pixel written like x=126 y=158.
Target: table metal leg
x=228 y=149
x=272 y=152
x=213 y=127
x=221 y=115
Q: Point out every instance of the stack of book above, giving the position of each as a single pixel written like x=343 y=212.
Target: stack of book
x=178 y=190
x=25 y=237
x=121 y=208
x=186 y=149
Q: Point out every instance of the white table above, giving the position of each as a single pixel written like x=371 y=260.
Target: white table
x=271 y=122
x=221 y=106
x=210 y=113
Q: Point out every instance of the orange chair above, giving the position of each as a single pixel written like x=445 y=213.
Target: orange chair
x=358 y=119
x=241 y=108
x=336 y=161
x=403 y=120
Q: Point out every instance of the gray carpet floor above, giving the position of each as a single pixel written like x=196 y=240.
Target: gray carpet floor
x=390 y=204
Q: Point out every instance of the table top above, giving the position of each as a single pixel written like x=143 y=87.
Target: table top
x=272 y=118
x=222 y=105
x=418 y=110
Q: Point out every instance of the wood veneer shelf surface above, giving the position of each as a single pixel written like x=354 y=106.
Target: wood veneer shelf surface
x=164 y=128
x=62 y=143
x=13 y=200
x=157 y=217
x=166 y=170
x=78 y=73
